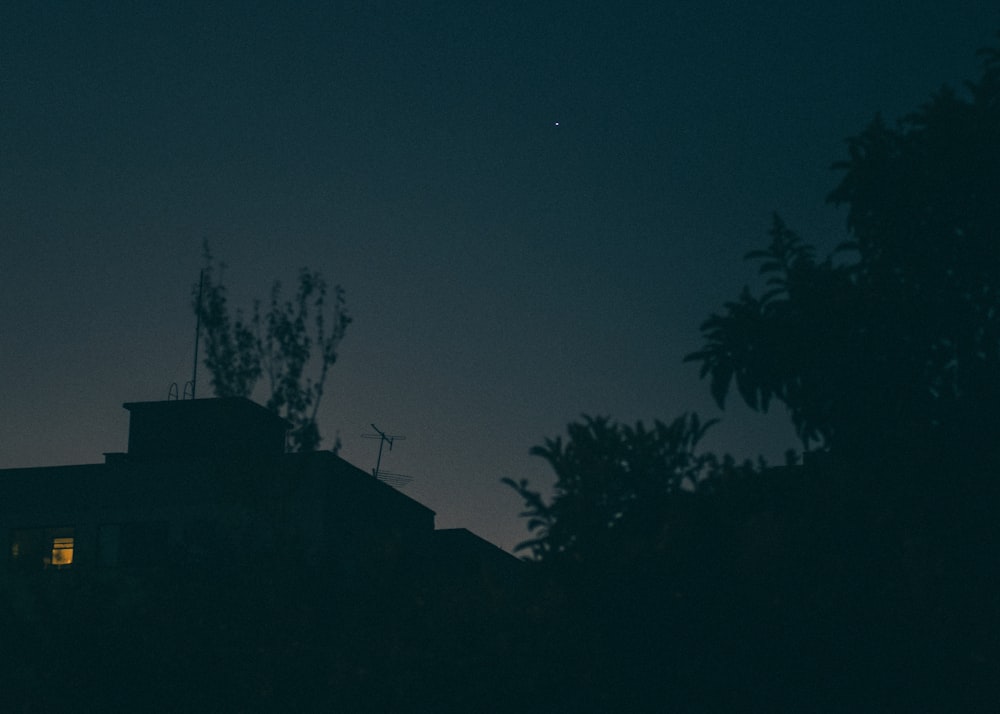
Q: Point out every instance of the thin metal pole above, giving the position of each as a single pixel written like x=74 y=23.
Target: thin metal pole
x=197 y=334
x=381 y=442
x=378 y=463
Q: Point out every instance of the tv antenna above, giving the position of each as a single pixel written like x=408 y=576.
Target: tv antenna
x=197 y=336
x=386 y=476
x=394 y=479
x=189 y=386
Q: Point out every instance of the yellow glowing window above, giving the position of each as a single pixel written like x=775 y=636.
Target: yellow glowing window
x=62 y=551
x=32 y=548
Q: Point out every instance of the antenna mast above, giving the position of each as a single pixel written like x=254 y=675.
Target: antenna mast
x=197 y=336
x=383 y=439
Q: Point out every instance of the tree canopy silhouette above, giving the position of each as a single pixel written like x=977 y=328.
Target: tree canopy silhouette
x=279 y=344
x=612 y=485
x=892 y=342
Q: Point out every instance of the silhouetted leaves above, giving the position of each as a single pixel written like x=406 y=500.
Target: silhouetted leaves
x=861 y=578
x=613 y=482
x=898 y=338
x=279 y=344
x=232 y=354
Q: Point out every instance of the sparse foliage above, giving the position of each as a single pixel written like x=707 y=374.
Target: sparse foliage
x=279 y=344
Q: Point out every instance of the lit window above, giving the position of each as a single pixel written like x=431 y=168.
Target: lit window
x=32 y=548
x=62 y=552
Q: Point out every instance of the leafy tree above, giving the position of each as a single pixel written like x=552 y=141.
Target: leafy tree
x=892 y=342
x=612 y=486
x=278 y=344
x=782 y=586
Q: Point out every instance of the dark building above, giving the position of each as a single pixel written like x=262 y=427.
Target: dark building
x=208 y=482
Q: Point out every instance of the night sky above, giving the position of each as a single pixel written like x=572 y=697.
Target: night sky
x=531 y=206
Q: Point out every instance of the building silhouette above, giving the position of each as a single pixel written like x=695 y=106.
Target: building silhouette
x=207 y=483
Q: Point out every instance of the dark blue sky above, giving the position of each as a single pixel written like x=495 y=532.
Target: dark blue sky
x=505 y=274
